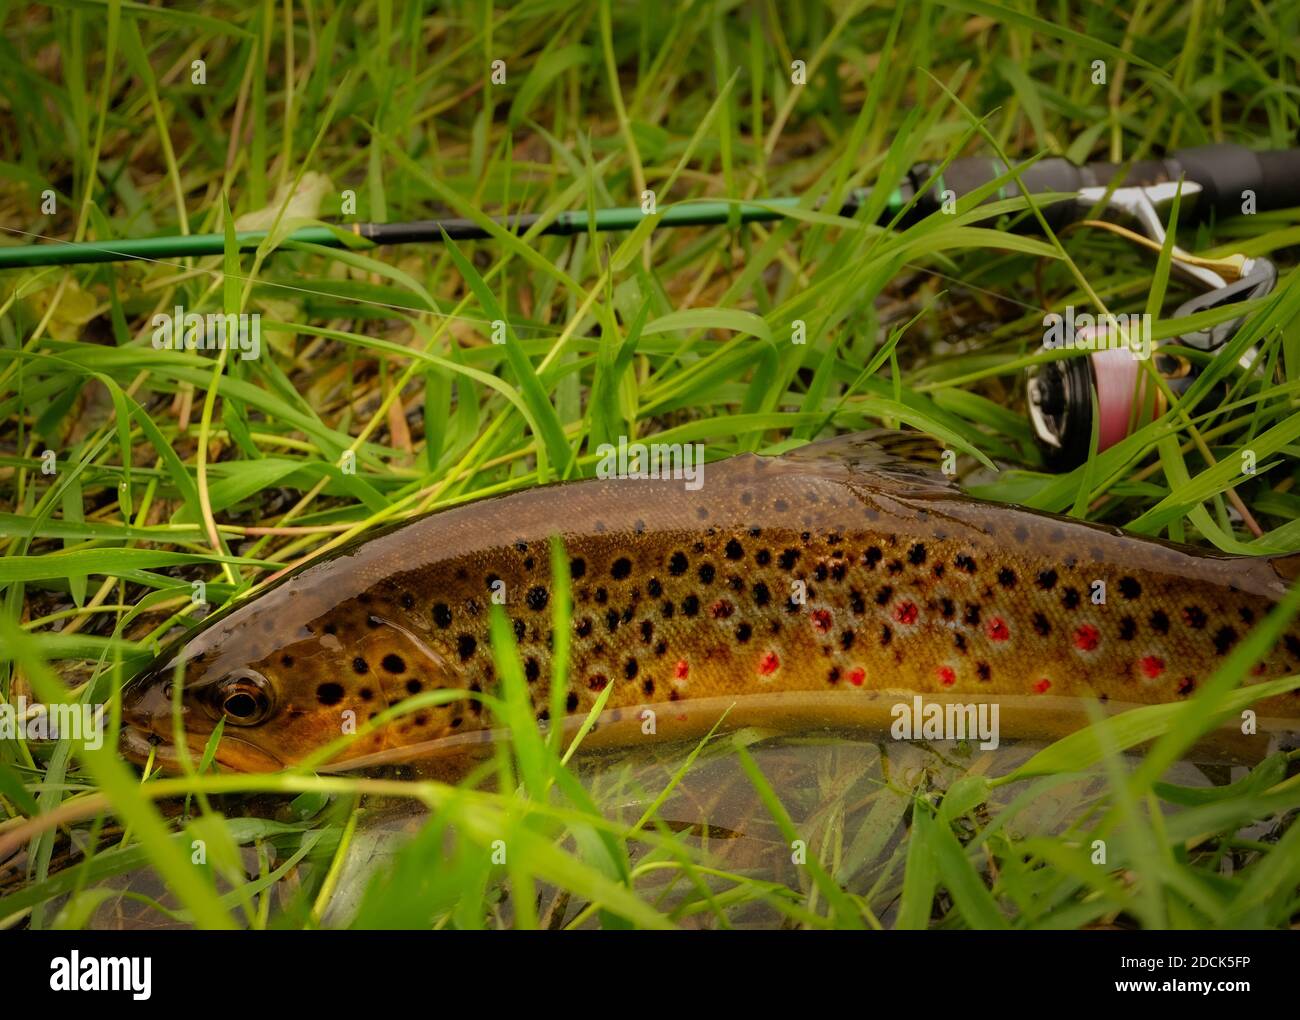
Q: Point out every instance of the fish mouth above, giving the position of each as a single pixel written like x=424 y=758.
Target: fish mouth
x=137 y=745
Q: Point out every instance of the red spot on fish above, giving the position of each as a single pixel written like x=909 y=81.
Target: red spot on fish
x=857 y=675
x=721 y=609
x=906 y=612
x=682 y=669
x=997 y=629
x=768 y=664
x=946 y=675
x=1152 y=666
x=1086 y=638
x=1043 y=686
x=821 y=620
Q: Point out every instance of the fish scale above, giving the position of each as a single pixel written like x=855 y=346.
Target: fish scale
x=839 y=567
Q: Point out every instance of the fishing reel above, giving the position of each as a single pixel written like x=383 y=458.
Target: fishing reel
x=1110 y=383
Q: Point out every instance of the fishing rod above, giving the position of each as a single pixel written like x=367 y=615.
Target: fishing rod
x=1217 y=181
x=1223 y=171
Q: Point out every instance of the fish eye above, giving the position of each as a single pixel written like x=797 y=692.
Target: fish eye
x=245 y=698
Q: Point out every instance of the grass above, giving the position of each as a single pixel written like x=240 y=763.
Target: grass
x=179 y=467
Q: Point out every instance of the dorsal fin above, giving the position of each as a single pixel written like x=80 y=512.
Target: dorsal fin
x=1287 y=566
x=892 y=459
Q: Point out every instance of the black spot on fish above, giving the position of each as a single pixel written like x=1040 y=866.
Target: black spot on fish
x=964 y=562
x=982 y=670
x=360 y=666
x=886 y=635
x=1247 y=615
x=706 y=573
x=1007 y=577
x=1047 y=579
x=366 y=695
x=947 y=608
x=788 y=558
x=583 y=627
x=1129 y=587
x=678 y=564
x=465 y=645
x=834 y=675
x=895 y=567
x=329 y=693
x=413 y=686
x=661 y=648
x=647 y=631
x=611 y=620
x=1069 y=598
x=521 y=546
x=520 y=628
x=571 y=702
x=734 y=550
x=743 y=632
x=620 y=568
x=667 y=609
x=1160 y=622
x=916 y=555
x=884 y=594
x=856 y=602
x=761 y=594
x=846 y=639
x=537 y=598
x=1194 y=617
x=407 y=600
x=972 y=617
x=1224 y=639
x=630 y=669
x=531 y=670
x=393 y=663
x=1127 y=628
x=959 y=640
x=442 y=615
x=1041 y=627
x=577 y=567
x=654 y=588
x=763 y=557
x=690 y=605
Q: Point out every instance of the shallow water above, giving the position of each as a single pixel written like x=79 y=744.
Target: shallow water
x=850 y=799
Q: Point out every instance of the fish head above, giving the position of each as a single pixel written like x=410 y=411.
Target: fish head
x=179 y=696
x=287 y=678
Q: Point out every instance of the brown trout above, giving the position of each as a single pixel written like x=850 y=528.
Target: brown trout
x=838 y=571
